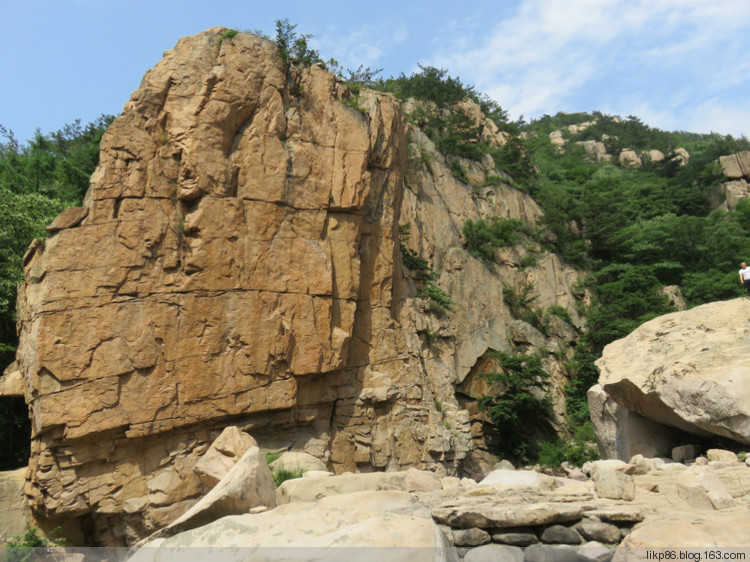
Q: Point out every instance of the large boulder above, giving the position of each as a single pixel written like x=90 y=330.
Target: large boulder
x=296 y=461
x=247 y=485
x=502 y=479
x=240 y=258
x=687 y=370
x=390 y=521
x=234 y=259
x=223 y=453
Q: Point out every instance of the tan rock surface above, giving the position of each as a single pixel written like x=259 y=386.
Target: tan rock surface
x=629 y=157
x=237 y=262
x=222 y=455
x=294 y=461
x=743 y=158
x=731 y=166
x=249 y=484
x=14 y=510
x=365 y=519
x=665 y=534
x=621 y=433
x=702 y=488
x=686 y=369
x=312 y=489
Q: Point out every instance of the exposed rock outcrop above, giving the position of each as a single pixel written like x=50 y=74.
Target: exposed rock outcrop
x=388 y=520
x=596 y=150
x=506 y=510
x=736 y=169
x=238 y=261
x=686 y=370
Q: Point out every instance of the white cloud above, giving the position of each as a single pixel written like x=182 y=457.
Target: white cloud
x=553 y=55
x=718 y=116
x=362 y=46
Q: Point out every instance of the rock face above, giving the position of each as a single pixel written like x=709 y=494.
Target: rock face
x=14 y=511
x=687 y=370
x=622 y=433
x=238 y=261
x=736 y=168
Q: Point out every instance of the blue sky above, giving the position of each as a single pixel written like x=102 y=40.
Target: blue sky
x=676 y=64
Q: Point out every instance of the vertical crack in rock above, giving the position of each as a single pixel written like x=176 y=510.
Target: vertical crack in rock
x=240 y=264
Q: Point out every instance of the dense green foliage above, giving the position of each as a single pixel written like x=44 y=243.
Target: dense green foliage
x=521 y=410
x=636 y=229
x=577 y=450
x=30 y=545
x=37 y=181
x=454 y=133
x=281 y=475
x=483 y=236
x=428 y=84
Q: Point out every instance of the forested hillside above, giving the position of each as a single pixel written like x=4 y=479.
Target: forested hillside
x=636 y=228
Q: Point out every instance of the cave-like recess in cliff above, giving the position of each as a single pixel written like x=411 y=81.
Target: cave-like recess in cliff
x=15 y=432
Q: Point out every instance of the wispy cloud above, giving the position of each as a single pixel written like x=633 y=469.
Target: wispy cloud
x=553 y=55
x=362 y=46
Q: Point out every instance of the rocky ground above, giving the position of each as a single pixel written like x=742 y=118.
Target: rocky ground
x=511 y=514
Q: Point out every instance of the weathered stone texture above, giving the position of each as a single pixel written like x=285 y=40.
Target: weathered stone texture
x=237 y=262
x=686 y=370
x=240 y=220
x=736 y=168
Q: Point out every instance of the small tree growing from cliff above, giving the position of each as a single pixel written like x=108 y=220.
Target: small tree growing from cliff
x=293 y=46
x=522 y=409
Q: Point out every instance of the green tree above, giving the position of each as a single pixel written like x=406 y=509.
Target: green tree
x=521 y=410
x=23 y=217
x=294 y=47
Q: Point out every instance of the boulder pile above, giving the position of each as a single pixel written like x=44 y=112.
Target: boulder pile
x=510 y=514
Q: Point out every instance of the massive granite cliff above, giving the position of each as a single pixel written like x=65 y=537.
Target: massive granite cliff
x=239 y=260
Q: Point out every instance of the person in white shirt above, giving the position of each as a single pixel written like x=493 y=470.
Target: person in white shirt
x=745 y=276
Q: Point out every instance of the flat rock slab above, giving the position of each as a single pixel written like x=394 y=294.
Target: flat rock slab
x=379 y=524
x=487 y=512
x=69 y=218
x=306 y=490
x=667 y=534
x=617 y=514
